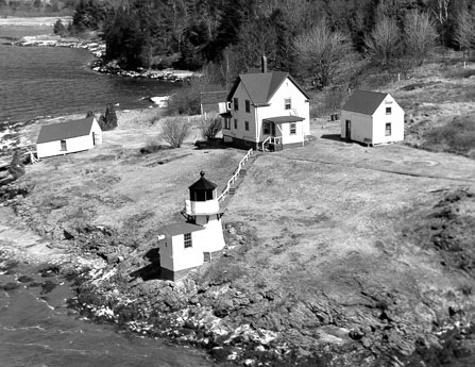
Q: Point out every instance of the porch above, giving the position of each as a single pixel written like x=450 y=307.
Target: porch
x=282 y=132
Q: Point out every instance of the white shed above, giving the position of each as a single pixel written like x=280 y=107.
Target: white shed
x=68 y=137
x=372 y=118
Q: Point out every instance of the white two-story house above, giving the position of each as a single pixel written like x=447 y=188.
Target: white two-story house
x=266 y=110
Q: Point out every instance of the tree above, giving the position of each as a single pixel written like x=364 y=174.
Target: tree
x=420 y=36
x=465 y=31
x=175 y=130
x=322 y=53
x=108 y=121
x=383 y=41
x=59 y=28
x=17 y=168
x=210 y=127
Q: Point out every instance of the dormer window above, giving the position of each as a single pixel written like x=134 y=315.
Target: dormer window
x=236 y=104
x=288 y=103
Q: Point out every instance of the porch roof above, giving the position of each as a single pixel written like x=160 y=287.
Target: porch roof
x=282 y=119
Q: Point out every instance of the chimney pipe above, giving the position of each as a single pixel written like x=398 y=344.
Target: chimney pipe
x=264 y=64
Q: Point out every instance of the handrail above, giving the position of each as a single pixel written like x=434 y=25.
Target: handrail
x=235 y=174
x=265 y=141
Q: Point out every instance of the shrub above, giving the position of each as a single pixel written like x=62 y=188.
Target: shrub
x=185 y=102
x=210 y=127
x=457 y=136
x=459 y=73
x=175 y=130
x=108 y=121
x=17 y=168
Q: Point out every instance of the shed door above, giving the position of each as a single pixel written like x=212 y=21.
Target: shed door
x=348 y=129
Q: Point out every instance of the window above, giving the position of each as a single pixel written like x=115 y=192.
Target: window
x=246 y=125
x=388 y=110
x=187 y=237
x=235 y=123
x=227 y=124
x=63 y=145
x=236 y=104
x=293 y=129
x=388 y=129
x=266 y=127
x=248 y=105
x=288 y=103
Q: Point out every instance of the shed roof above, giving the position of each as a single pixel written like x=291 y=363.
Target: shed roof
x=213 y=96
x=65 y=130
x=364 y=102
x=281 y=119
x=176 y=229
x=262 y=86
x=202 y=184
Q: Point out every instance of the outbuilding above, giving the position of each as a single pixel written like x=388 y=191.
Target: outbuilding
x=68 y=137
x=372 y=118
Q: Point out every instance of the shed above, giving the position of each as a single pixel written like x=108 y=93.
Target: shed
x=68 y=137
x=372 y=118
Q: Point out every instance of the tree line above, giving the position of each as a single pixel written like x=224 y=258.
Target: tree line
x=320 y=41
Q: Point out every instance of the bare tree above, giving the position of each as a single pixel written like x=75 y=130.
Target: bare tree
x=210 y=127
x=175 y=130
x=322 y=53
x=441 y=13
x=383 y=42
x=420 y=36
x=465 y=31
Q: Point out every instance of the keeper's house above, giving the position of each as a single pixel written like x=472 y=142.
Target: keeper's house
x=266 y=110
x=68 y=137
x=372 y=118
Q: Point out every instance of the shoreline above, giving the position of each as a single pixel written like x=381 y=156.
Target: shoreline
x=98 y=48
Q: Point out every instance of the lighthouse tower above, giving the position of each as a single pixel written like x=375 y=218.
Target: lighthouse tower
x=203 y=210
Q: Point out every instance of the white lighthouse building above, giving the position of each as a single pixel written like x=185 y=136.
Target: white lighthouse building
x=187 y=245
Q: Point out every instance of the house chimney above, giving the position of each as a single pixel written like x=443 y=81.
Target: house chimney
x=264 y=64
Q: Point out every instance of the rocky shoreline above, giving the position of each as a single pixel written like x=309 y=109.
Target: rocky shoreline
x=237 y=325
x=98 y=49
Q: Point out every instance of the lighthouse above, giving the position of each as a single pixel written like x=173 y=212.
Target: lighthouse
x=203 y=209
x=187 y=245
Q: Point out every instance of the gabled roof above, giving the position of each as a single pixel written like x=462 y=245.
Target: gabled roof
x=65 y=130
x=176 y=229
x=202 y=184
x=364 y=102
x=262 y=86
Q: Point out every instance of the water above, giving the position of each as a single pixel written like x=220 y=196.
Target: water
x=37 y=329
x=44 y=81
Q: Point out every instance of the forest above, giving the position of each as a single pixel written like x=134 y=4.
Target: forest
x=322 y=42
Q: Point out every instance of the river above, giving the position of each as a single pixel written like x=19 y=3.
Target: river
x=45 y=81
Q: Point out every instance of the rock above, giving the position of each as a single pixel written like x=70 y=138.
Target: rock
x=10 y=286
